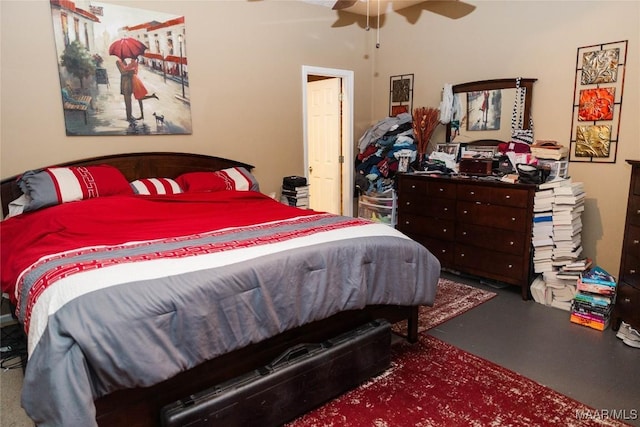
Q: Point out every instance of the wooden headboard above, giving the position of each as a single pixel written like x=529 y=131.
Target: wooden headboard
x=135 y=166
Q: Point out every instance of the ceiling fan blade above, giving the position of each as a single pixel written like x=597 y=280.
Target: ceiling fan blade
x=344 y=19
x=343 y=4
x=452 y=9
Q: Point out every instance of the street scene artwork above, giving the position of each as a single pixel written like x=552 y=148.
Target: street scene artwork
x=123 y=71
x=484 y=110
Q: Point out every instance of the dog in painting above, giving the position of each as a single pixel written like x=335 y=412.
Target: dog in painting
x=159 y=119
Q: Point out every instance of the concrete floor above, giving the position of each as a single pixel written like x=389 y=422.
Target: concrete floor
x=539 y=342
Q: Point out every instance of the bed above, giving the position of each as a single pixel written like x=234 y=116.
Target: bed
x=131 y=301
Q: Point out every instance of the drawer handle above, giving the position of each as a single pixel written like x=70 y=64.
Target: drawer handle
x=408 y=203
x=444 y=251
x=446 y=209
x=638 y=211
x=444 y=230
x=510 y=266
x=635 y=242
x=462 y=255
x=464 y=233
x=511 y=243
x=465 y=212
x=472 y=193
x=507 y=196
x=441 y=189
x=627 y=300
x=632 y=271
x=513 y=218
x=406 y=222
x=413 y=186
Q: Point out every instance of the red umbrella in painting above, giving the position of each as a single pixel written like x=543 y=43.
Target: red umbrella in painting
x=127 y=47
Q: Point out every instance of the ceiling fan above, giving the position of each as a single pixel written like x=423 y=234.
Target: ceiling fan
x=410 y=9
x=453 y=9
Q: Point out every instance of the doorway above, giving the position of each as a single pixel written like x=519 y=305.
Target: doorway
x=327 y=105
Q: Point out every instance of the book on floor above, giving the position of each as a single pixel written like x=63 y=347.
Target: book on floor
x=596 y=288
x=589 y=321
x=599 y=276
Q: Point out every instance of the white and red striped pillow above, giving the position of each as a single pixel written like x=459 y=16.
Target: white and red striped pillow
x=239 y=179
x=155 y=186
x=53 y=186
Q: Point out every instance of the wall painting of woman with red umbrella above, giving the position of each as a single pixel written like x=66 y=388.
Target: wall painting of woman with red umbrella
x=121 y=54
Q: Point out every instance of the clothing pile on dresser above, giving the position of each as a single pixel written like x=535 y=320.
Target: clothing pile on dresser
x=380 y=149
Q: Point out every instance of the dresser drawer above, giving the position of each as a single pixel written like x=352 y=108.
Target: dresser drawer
x=511 y=242
x=433 y=227
x=510 y=197
x=630 y=269
x=633 y=212
x=412 y=202
x=630 y=263
x=418 y=204
x=441 y=208
x=409 y=184
x=474 y=193
x=628 y=304
x=503 y=217
x=632 y=240
x=503 y=196
x=443 y=250
x=496 y=265
x=441 y=188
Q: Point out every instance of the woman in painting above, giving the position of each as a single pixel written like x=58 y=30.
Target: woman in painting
x=485 y=107
x=137 y=88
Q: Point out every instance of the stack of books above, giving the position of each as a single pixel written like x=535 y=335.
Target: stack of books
x=568 y=205
x=549 y=149
x=574 y=269
x=553 y=292
x=593 y=304
x=558 y=287
x=295 y=192
x=557 y=242
x=542 y=238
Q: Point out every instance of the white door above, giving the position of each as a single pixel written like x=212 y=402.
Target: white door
x=325 y=145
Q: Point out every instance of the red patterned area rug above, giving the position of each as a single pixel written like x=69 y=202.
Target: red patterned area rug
x=433 y=383
x=452 y=299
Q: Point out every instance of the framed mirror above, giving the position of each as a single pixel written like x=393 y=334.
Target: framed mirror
x=487 y=107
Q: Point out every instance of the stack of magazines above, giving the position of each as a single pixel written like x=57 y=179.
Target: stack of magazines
x=593 y=304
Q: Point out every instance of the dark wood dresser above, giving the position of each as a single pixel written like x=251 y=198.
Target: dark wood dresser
x=472 y=226
x=627 y=306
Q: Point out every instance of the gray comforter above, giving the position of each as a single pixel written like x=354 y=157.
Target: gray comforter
x=136 y=324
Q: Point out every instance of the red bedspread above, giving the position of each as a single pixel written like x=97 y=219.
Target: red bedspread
x=104 y=221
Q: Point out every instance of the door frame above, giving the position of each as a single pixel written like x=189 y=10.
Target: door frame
x=347 y=79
